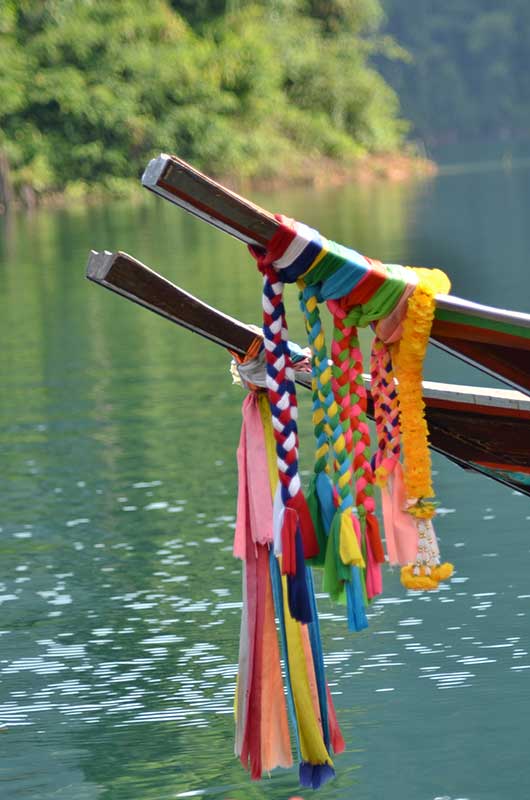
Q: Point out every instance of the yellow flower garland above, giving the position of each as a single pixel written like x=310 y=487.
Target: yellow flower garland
x=408 y=355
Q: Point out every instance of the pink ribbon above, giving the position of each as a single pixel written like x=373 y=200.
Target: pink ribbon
x=390 y=328
x=400 y=527
x=254 y=503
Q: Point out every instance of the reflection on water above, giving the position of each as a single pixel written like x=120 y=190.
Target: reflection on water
x=120 y=599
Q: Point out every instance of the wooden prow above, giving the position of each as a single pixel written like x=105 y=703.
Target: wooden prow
x=473 y=427
x=125 y=275
x=494 y=340
x=175 y=180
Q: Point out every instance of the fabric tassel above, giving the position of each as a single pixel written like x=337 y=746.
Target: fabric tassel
x=400 y=527
x=310 y=546
x=357 y=620
x=335 y=571
x=279 y=608
x=299 y=604
x=313 y=732
x=318 y=662
x=372 y=533
x=262 y=734
x=243 y=514
x=324 y=489
x=307 y=729
x=337 y=740
x=315 y=509
x=313 y=776
x=264 y=743
x=251 y=748
x=241 y=709
x=374 y=580
x=275 y=739
x=296 y=523
x=288 y=537
x=312 y=746
x=333 y=738
x=278 y=511
x=349 y=549
x=312 y=679
x=254 y=508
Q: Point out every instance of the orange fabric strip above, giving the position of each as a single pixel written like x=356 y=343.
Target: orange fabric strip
x=275 y=740
x=251 y=353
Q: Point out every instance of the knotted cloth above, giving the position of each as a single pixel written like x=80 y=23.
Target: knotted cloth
x=280 y=533
x=262 y=706
x=399 y=302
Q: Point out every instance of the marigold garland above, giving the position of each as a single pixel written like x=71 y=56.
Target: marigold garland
x=408 y=355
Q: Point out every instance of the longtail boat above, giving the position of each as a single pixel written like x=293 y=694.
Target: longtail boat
x=483 y=430
x=282 y=530
x=494 y=340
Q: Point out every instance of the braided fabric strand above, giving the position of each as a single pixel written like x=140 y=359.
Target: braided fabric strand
x=400 y=529
x=348 y=368
x=320 y=490
x=294 y=535
x=280 y=386
x=326 y=398
x=343 y=549
x=343 y=374
x=386 y=412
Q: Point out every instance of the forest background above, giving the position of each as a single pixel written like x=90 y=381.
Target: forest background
x=90 y=89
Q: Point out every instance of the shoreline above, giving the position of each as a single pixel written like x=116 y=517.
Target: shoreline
x=318 y=173
x=321 y=173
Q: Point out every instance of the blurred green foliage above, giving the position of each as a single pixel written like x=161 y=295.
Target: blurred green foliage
x=467 y=76
x=90 y=89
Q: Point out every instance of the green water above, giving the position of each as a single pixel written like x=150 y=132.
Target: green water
x=120 y=599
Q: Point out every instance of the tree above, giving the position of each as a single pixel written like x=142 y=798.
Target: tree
x=468 y=67
x=90 y=89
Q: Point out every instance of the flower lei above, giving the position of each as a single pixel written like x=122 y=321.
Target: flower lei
x=408 y=355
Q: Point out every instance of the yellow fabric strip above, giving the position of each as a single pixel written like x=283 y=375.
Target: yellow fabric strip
x=306 y=642
x=318 y=259
x=270 y=444
x=312 y=744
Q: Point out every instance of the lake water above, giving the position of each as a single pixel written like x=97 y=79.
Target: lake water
x=120 y=599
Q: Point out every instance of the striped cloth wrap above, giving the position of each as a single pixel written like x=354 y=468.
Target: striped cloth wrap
x=341 y=532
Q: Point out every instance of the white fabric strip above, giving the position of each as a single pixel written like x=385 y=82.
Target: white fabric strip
x=304 y=235
x=254 y=371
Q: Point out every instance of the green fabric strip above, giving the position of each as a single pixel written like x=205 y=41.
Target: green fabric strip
x=329 y=264
x=383 y=302
x=512 y=329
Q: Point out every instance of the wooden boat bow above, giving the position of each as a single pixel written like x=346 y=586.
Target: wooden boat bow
x=487 y=431
x=494 y=340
